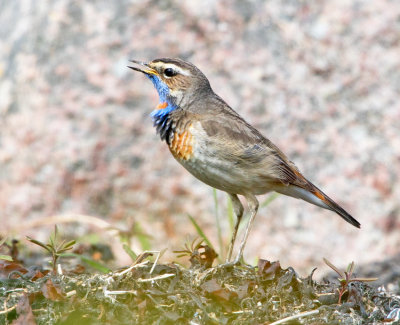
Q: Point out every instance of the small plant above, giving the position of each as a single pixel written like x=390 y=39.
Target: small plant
x=134 y=230
x=55 y=246
x=190 y=248
x=346 y=278
x=231 y=219
x=199 y=254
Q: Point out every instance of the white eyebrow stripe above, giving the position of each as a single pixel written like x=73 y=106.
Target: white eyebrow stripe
x=177 y=69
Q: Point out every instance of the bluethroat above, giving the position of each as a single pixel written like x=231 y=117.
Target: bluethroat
x=216 y=145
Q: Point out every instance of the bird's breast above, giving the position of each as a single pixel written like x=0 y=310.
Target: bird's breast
x=182 y=144
x=215 y=161
x=191 y=148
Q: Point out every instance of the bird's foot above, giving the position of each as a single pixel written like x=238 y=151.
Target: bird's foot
x=238 y=261
x=229 y=264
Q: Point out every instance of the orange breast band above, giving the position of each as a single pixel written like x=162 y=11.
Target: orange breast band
x=162 y=105
x=182 y=145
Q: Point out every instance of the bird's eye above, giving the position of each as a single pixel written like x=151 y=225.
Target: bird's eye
x=169 y=72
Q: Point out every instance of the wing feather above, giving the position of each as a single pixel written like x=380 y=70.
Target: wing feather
x=245 y=145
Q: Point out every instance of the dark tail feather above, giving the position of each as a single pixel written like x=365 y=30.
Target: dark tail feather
x=340 y=211
x=314 y=195
x=332 y=205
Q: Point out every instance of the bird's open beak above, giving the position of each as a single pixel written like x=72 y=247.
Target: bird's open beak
x=142 y=67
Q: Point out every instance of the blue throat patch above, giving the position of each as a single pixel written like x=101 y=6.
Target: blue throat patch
x=160 y=117
x=163 y=93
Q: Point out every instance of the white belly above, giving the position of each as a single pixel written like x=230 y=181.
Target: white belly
x=213 y=165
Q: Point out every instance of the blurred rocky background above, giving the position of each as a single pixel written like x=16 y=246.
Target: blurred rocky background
x=321 y=79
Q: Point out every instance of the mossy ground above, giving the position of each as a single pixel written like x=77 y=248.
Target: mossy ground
x=173 y=294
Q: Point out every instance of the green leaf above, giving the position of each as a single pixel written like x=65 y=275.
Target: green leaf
x=62 y=250
x=39 y=243
x=92 y=263
x=55 y=232
x=69 y=244
x=269 y=199
x=200 y=231
x=143 y=238
x=51 y=248
x=6 y=258
x=96 y=265
x=130 y=252
x=350 y=268
x=218 y=224
x=53 y=238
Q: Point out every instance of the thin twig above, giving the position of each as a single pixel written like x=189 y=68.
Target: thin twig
x=286 y=319
x=119 y=292
x=70 y=293
x=163 y=276
x=6 y=311
x=133 y=266
x=159 y=254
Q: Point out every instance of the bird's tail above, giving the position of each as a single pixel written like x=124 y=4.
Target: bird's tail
x=314 y=195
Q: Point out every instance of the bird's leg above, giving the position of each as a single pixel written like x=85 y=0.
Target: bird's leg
x=238 y=209
x=253 y=207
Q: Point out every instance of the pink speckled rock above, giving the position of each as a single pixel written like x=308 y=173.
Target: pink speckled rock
x=320 y=79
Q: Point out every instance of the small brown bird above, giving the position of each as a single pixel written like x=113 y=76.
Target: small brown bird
x=219 y=147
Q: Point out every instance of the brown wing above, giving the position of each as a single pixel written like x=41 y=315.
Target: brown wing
x=251 y=147
x=265 y=159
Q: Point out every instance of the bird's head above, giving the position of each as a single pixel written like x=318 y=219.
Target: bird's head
x=177 y=82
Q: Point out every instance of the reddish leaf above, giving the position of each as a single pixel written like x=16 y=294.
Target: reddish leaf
x=207 y=255
x=51 y=291
x=201 y=255
x=211 y=286
x=268 y=269
x=39 y=275
x=224 y=294
x=24 y=311
x=7 y=267
x=79 y=269
x=243 y=290
x=214 y=289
